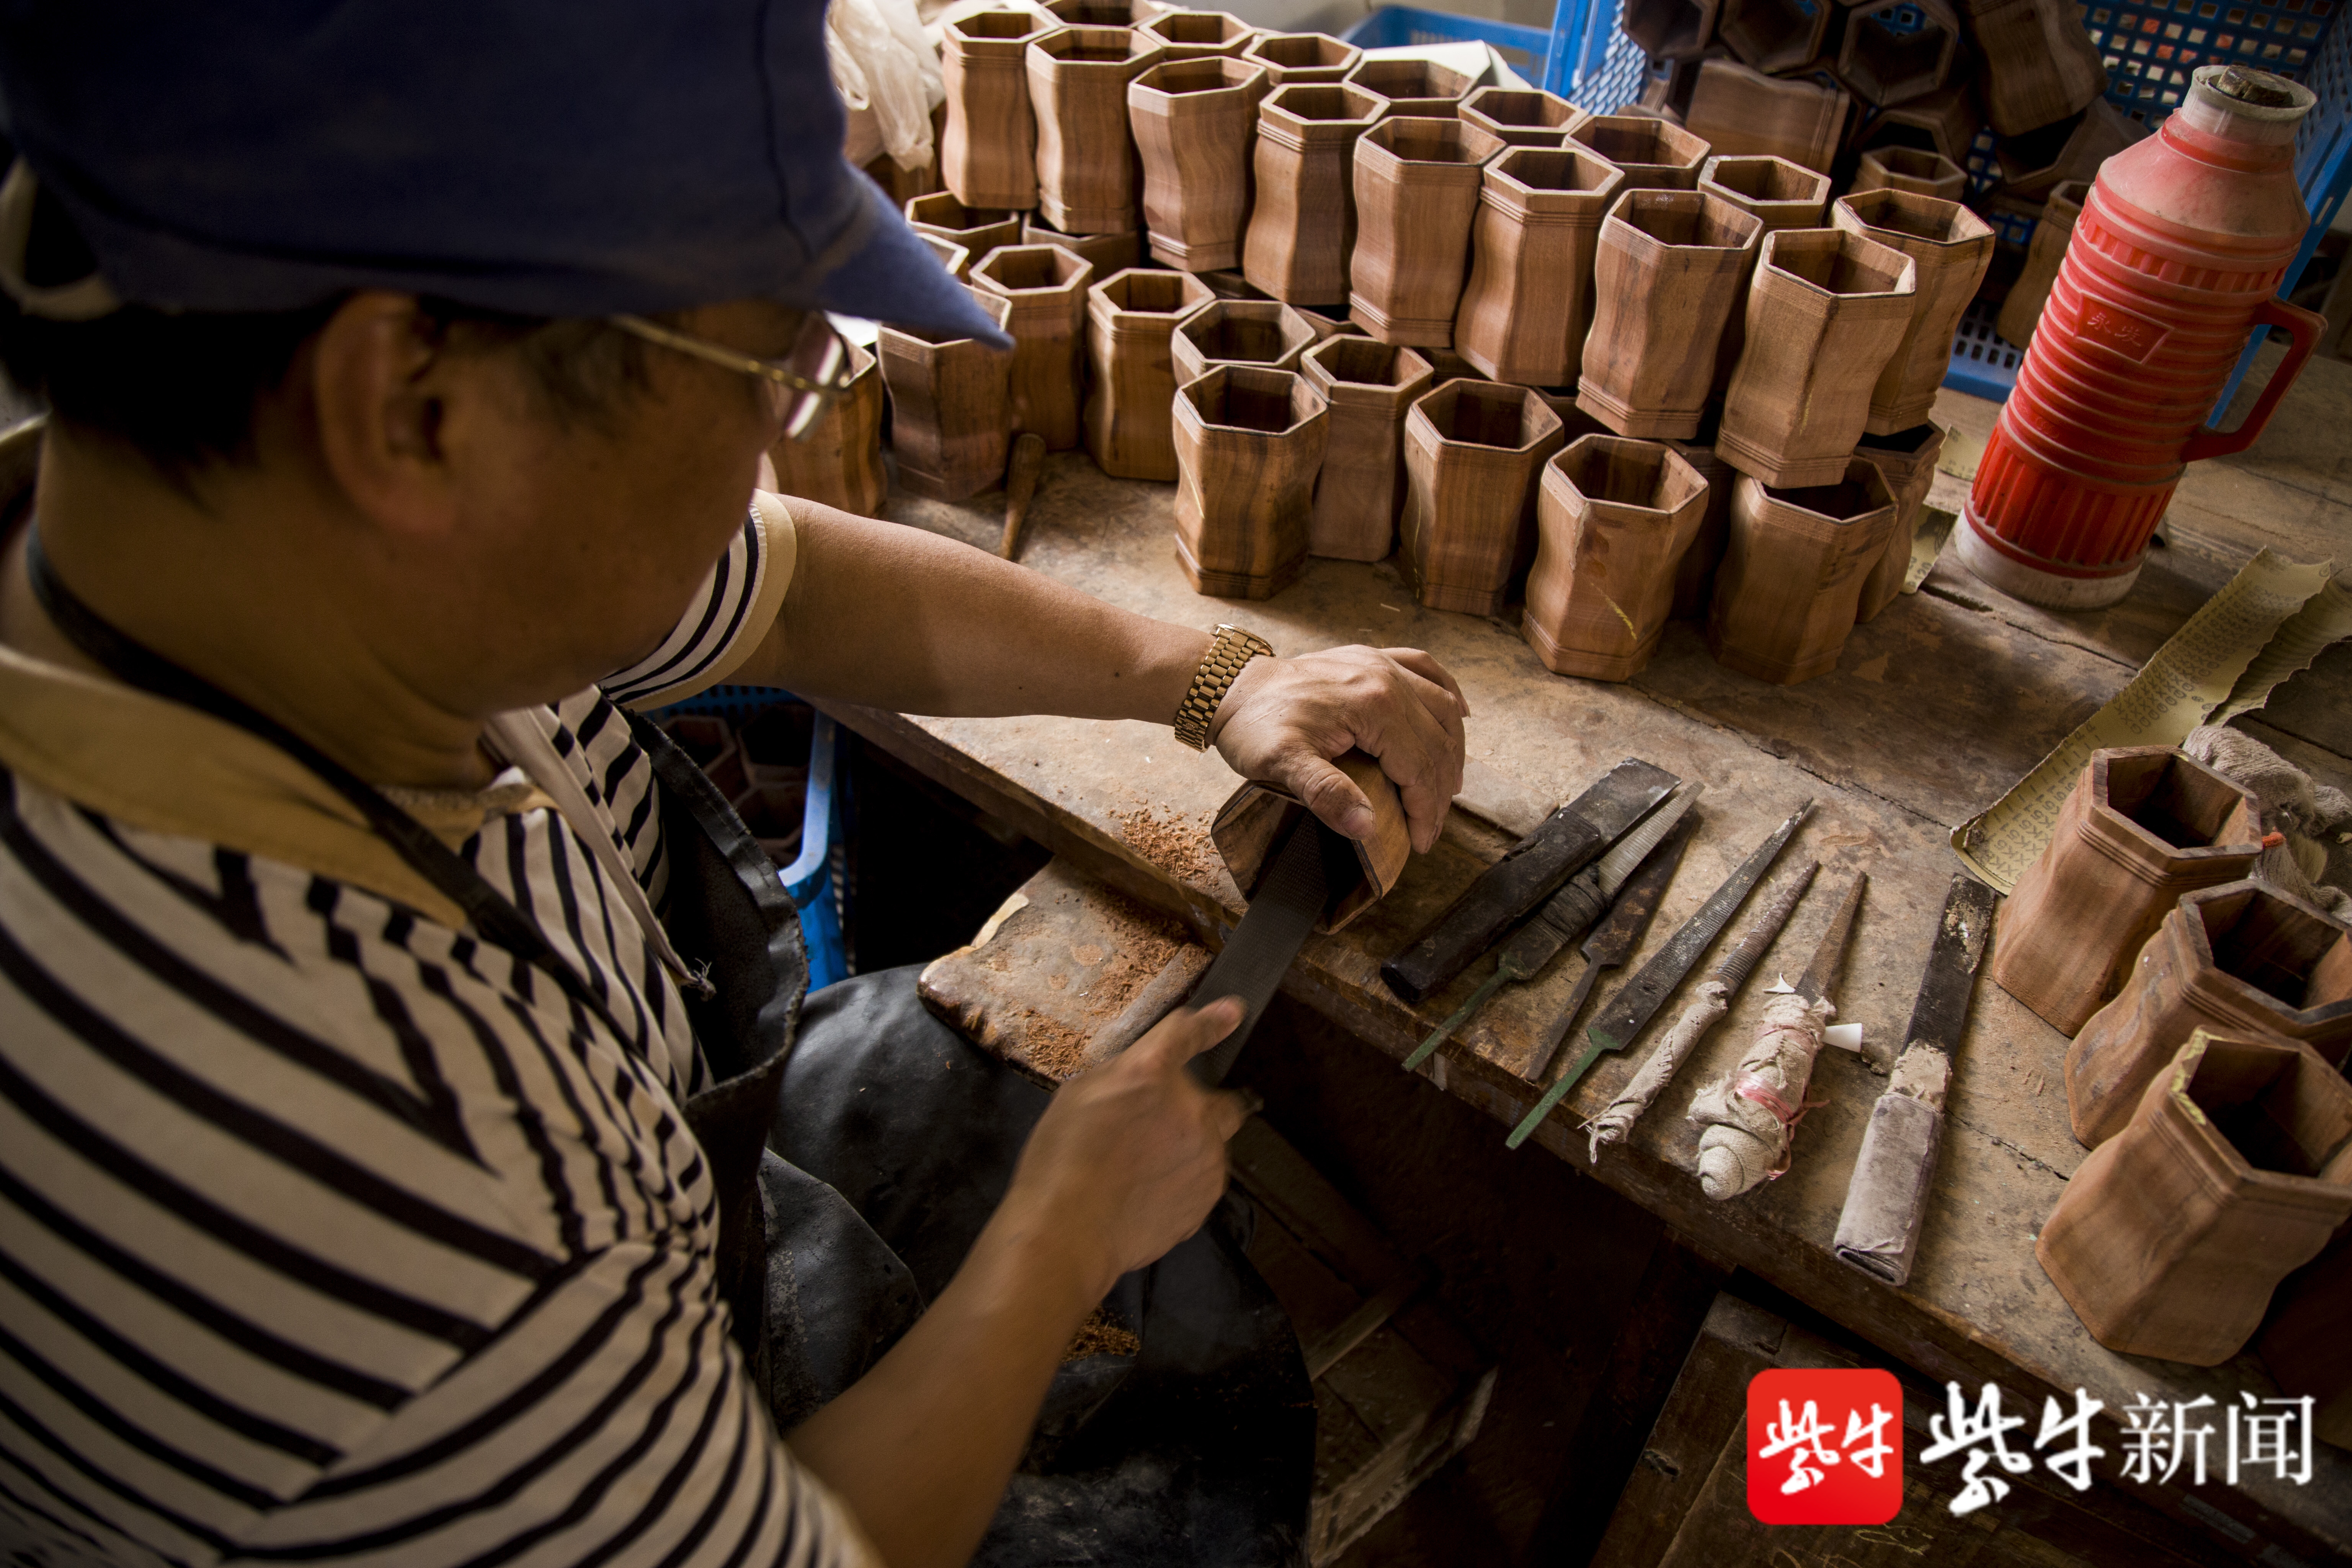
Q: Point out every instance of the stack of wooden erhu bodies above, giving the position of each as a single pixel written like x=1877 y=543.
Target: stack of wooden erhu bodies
x=2209 y=1004
x=1630 y=366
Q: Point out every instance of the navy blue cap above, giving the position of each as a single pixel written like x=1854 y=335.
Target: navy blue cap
x=577 y=159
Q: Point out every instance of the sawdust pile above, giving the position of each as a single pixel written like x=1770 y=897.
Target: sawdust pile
x=1099 y=1336
x=1052 y=1047
x=1177 y=847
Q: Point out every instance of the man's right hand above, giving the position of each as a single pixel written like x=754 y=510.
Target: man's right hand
x=1130 y=1156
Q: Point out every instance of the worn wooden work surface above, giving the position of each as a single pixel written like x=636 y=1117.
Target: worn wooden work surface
x=1935 y=709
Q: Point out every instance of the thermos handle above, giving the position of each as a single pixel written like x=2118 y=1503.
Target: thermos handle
x=2304 y=328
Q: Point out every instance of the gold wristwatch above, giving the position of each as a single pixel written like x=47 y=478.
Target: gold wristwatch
x=1232 y=649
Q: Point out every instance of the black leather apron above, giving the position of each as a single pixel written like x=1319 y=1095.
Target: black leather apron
x=1199 y=1448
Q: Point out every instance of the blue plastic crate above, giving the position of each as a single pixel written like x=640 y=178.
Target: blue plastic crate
x=814 y=880
x=2149 y=50
x=1403 y=27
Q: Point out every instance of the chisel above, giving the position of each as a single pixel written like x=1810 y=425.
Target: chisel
x=1886 y=1198
x=1529 y=872
x=1564 y=917
x=1638 y=1000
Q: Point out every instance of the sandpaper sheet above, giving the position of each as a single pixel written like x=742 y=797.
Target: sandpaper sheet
x=2268 y=622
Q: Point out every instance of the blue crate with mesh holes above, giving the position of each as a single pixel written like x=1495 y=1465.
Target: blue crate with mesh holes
x=2149 y=50
x=816 y=878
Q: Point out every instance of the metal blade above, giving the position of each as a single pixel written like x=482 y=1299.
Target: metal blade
x=1272 y=930
x=1741 y=961
x=1887 y=1197
x=1612 y=943
x=1635 y=846
x=1528 y=873
x=1638 y=1001
x=1941 y=1011
x=1824 y=970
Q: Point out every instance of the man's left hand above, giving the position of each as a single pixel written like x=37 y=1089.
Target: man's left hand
x=1285 y=718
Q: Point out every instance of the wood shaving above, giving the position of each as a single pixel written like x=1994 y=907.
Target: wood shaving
x=1099 y=1336
x=1181 y=849
x=1051 y=1047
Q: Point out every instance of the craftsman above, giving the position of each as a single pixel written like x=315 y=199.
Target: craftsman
x=390 y=1020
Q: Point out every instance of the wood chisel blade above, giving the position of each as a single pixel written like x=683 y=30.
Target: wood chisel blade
x=1886 y=1199
x=1638 y=1001
x=1529 y=872
x=1272 y=930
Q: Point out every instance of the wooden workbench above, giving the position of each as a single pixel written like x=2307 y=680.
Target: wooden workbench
x=1934 y=710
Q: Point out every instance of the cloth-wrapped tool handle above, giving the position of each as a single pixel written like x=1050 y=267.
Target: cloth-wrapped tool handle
x=1879 y=1231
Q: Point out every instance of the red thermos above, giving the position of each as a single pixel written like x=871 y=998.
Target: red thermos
x=2176 y=257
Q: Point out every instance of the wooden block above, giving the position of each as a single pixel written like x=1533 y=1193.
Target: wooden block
x=837 y=461
x=2243 y=958
x=1777 y=195
x=1471 y=452
x=1945 y=121
x=1369 y=386
x=950 y=410
x=1792 y=572
x=1826 y=311
x=1249 y=440
x=953 y=258
x=1737 y=110
x=1417 y=88
x=1417 y=182
x=1192 y=121
x=977 y=230
x=1952 y=247
x=1528 y=303
x=1773 y=35
x=1522 y=117
x=2142 y=825
x=2020 y=309
x=1198 y=35
x=1897 y=50
x=1086 y=174
x=1046 y=288
x=1616 y=517
x=1653 y=154
x=1670 y=266
x=1259 y=815
x=1302 y=57
x=2035 y=164
x=1670 y=29
x=2233 y=1171
x=1912 y=169
x=989 y=155
x=1130 y=319
x=1107 y=253
x=1239 y=332
x=1302 y=230
x=1906 y=461
x=2036 y=62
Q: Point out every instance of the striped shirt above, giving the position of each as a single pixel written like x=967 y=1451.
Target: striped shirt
x=328 y=1232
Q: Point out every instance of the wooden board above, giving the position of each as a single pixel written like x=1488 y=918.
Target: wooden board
x=1937 y=707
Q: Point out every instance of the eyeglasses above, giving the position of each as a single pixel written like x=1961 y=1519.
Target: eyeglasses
x=802 y=385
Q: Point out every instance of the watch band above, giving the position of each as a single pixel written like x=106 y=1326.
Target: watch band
x=1231 y=649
